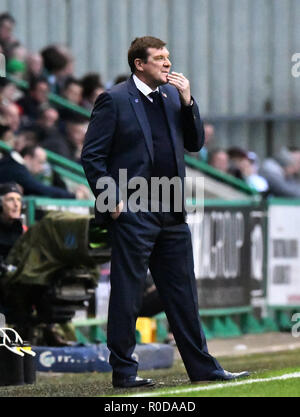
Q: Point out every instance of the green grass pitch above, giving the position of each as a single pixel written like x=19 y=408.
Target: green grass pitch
x=268 y=369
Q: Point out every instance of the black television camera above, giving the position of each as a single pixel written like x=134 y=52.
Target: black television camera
x=62 y=292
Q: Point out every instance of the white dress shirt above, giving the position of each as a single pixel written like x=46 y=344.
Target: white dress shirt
x=143 y=88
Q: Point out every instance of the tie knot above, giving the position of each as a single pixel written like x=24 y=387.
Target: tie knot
x=155 y=96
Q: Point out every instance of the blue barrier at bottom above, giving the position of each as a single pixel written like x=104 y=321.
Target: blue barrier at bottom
x=94 y=358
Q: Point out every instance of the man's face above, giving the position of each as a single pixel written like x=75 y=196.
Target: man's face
x=6 y=30
x=9 y=92
x=73 y=93
x=11 y=206
x=244 y=165
x=76 y=133
x=209 y=133
x=40 y=93
x=49 y=118
x=220 y=161
x=154 y=72
x=12 y=116
x=35 y=63
x=36 y=163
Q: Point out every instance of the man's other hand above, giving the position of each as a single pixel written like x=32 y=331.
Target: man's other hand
x=118 y=210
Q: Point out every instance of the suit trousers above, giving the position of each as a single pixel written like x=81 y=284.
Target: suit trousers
x=161 y=242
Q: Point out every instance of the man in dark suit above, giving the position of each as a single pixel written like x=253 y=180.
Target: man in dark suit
x=143 y=125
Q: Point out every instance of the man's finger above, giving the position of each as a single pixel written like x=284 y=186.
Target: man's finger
x=177 y=74
x=175 y=83
x=175 y=79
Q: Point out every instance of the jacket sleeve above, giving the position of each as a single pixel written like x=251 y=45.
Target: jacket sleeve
x=34 y=187
x=98 y=144
x=193 y=130
x=280 y=187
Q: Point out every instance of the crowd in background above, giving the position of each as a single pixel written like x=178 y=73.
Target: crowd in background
x=273 y=176
x=30 y=123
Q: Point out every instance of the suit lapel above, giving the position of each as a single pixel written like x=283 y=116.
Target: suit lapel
x=139 y=110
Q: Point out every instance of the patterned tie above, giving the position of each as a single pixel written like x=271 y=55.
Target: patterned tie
x=155 y=96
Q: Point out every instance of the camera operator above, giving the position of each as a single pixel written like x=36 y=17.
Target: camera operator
x=11 y=227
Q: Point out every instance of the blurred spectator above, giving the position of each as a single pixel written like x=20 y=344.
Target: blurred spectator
x=92 y=88
x=72 y=91
x=56 y=143
x=75 y=134
x=295 y=151
x=121 y=78
x=11 y=227
x=22 y=167
x=7 y=25
x=209 y=132
x=8 y=91
x=56 y=67
x=24 y=138
x=218 y=159
x=10 y=115
x=251 y=175
x=18 y=52
x=33 y=100
x=16 y=61
x=34 y=66
x=244 y=165
x=202 y=155
x=71 y=143
x=45 y=128
x=6 y=135
x=238 y=160
x=48 y=117
x=281 y=173
x=67 y=53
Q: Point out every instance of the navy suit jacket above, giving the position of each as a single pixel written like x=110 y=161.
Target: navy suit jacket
x=119 y=135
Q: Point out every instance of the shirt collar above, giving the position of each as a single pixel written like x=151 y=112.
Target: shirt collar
x=17 y=157
x=143 y=88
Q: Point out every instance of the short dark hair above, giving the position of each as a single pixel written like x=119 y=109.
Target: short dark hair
x=120 y=78
x=53 y=59
x=236 y=152
x=34 y=81
x=6 y=16
x=90 y=82
x=28 y=150
x=139 y=49
x=71 y=80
